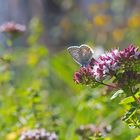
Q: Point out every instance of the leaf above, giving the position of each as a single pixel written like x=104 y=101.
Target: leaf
x=129 y=114
x=137 y=94
x=116 y=94
x=137 y=138
x=127 y=100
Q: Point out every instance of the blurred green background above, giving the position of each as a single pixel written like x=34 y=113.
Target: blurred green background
x=36 y=76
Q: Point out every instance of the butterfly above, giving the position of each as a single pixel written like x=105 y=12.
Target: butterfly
x=81 y=54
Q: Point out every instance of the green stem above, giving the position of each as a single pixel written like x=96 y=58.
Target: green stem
x=133 y=95
x=136 y=99
x=136 y=124
x=107 y=84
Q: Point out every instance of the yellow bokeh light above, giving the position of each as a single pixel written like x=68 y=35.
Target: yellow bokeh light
x=101 y=20
x=134 y=21
x=118 y=35
x=32 y=59
x=14 y=135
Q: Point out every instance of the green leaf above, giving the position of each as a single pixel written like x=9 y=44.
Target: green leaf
x=116 y=94
x=137 y=138
x=127 y=100
x=138 y=94
x=129 y=114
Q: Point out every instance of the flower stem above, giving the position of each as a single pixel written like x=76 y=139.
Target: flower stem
x=107 y=84
x=135 y=98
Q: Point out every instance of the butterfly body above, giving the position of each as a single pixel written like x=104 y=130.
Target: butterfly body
x=81 y=54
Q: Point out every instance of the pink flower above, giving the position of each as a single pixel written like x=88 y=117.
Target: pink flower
x=130 y=53
x=38 y=134
x=77 y=77
x=84 y=75
x=12 y=28
x=108 y=64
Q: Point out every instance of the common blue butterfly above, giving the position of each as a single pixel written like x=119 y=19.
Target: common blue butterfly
x=81 y=54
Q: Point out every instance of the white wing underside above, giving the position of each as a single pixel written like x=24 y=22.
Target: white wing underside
x=81 y=54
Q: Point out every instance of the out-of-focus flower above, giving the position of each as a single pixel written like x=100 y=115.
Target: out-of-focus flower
x=99 y=4
x=38 y=134
x=134 y=21
x=12 y=28
x=101 y=20
x=14 y=135
x=86 y=131
x=11 y=136
x=118 y=34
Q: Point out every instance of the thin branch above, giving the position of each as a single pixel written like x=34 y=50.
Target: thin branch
x=136 y=99
x=107 y=84
x=133 y=95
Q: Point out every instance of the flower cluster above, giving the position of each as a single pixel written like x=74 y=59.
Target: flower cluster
x=38 y=134
x=12 y=28
x=108 y=64
x=130 y=53
x=86 y=131
x=84 y=76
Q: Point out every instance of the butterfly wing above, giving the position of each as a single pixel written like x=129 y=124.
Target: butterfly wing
x=81 y=54
x=75 y=53
x=86 y=54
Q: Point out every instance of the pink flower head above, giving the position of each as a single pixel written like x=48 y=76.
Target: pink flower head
x=106 y=64
x=109 y=64
x=83 y=75
x=92 y=62
x=12 y=28
x=130 y=53
x=38 y=134
x=77 y=77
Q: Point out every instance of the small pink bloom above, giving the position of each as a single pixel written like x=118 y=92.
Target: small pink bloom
x=130 y=53
x=77 y=77
x=12 y=28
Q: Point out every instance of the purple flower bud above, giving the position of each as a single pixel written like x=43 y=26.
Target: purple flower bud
x=84 y=75
x=77 y=77
x=38 y=134
x=130 y=53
